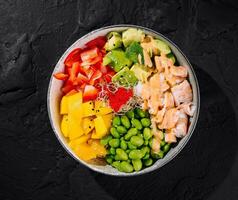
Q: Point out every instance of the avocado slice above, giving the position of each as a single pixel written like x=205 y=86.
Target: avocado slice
x=132 y=35
x=172 y=57
x=162 y=46
x=141 y=72
x=114 y=41
x=133 y=51
x=117 y=60
x=125 y=77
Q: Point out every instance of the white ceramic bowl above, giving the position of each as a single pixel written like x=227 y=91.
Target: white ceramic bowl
x=54 y=95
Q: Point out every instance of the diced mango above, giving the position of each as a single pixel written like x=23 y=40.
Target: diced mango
x=65 y=125
x=74 y=143
x=100 y=127
x=64 y=105
x=88 y=125
x=103 y=111
x=108 y=120
x=75 y=114
x=98 y=148
x=99 y=104
x=85 y=151
x=88 y=109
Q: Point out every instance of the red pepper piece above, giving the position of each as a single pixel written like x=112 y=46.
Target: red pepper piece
x=97 y=42
x=61 y=76
x=74 y=56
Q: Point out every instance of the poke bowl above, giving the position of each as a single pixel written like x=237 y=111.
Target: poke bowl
x=123 y=100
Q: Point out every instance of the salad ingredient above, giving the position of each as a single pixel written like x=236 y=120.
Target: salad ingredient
x=119 y=98
x=118 y=60
x=147 y=59
x=132 y=35
x=133 y=51
x=97 y=42
x=137 y=164
x=64 y=125
x=90 y=93
x=125 y=121
x=125 y=167
x=88 y=125
x=100 y=128
x=73 y=57
x=61 y=76
x=125 y=77
x=162 y=46
x=64 y=105
x=88 y=109
x=141 y=72
x=114 y=41
x=171 y=57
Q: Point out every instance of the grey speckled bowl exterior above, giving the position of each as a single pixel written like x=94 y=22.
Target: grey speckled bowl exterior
x=54 y=95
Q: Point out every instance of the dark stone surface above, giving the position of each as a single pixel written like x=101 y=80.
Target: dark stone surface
x=35 y=33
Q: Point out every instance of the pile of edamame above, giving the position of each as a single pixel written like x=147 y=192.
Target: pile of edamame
x=129 y=142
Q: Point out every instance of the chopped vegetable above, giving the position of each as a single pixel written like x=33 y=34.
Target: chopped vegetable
x=132 y=35
x=133 y=51
x=125 y=78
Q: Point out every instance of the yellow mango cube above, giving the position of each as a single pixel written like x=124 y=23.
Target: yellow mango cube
x=75 y=114
x=100 y=128
x=74 y=143
x=85 y=151
x=99 y=104
x=88 y=109
x=98 y=148
x=88 y=125
x=65 y=125
x=64 y=105
x=103 y=111
x=108 y=120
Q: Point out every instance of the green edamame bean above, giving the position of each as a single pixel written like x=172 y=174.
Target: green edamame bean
x=145 y=122
x=140 y=135
x=104 y=141
x=123 y=144
x=130 y=114
x=109 y=159
x=114 y=143
x=147 y=133
x=136 y=123
x=116 y=164
x=147 y=155
x=125 y=121
x=162 y=143
x=145 y=150
x=131 y=146
x=121 y=129
x=137 y=164
x=114 y=132
x=116 y=121
x=126 y=167
x=136 y=141
x=146 y=142
x=112 y=151
x=130 y=133
x=148 y=162
x=158 y=155
x=128 y=151
x=117 y=158
x=166 y=148
x=140 y=112
x=136 y=154
x=122 y=155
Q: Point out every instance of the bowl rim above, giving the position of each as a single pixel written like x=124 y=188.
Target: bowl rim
x=195 y=118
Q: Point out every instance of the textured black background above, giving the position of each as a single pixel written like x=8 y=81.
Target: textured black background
x=34 y=34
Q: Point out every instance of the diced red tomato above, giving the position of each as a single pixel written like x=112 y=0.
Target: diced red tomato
x=89 y=54
x=74 y=71
x=96 y=75
x=90 y=93
x=74 y=56
x=97 y=42
x=61 y=76
x=67 y=88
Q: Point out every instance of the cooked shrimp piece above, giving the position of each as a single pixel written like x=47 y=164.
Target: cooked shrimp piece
x=188 y=108
x=147 y=59
x=160 y=115
x=181 y=127
x=155 y=145
x=182 y=93
x=168 y=100
x=158 y=64
x=145 y=91
x=155 y=101
x=170 y=119
x=170 y=138
x=180 y=71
